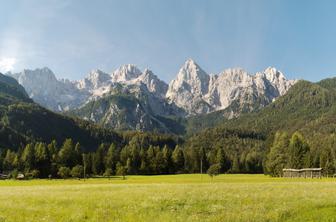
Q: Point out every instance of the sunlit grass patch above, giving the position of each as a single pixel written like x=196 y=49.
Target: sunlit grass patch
x=169 y=198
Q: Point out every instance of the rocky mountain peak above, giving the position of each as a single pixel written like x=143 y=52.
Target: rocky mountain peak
x=148 y=75
x=94 y=79
x=192 y=77
x=235 y=75
x=191 y=64
x=44 y=88
x=188 y=88
x=277 y=79
x=197 y=92
x=125 y=73
x=191 y=71
x=44 y=73
x=272 y=74
x=98 y=74
x=153 y=83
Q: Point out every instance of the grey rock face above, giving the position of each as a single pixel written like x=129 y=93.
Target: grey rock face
x=197 y=92
x=192 y=92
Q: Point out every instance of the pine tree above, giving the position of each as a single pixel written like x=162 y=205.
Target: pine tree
x=111 y=157
x=235 y=165
x=77 y=155
x=151 y=160
x=129 y=166
x=135 y=158
x=53 y=155
x=159 y=162
x=143 y=165
x=28 y=157
x=67 y=155
x=42 y=159
x=327 y=161
x=10 y=161
x=277 y=158
x=203 y=159
x=253 y=162
x=52 y=149
x=167 y=160
x=178 y=159
x=124 y=154
x=222 y=160
x=2 y=157
x=98 y=160
x=298 y=149
x=121 y=170
x=87 y=163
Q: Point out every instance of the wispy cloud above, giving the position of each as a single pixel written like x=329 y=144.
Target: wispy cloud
x=49 y=36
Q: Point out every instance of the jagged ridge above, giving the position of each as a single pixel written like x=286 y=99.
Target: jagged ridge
x=191 y=93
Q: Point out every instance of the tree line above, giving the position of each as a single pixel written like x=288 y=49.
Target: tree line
x=141 y=157
x=41 y=160
x=297 y=152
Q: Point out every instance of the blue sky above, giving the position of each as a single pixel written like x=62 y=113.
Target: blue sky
x=73 y=37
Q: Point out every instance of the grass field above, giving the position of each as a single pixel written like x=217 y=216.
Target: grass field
x=170 y=198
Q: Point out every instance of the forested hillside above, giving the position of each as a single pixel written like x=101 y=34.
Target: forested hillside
x=309 y=108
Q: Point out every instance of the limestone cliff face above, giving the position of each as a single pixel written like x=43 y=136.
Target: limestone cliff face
x=62 y=95
x=132 y=99
x=197 y=92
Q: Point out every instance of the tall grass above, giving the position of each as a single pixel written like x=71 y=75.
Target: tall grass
x=169 y=198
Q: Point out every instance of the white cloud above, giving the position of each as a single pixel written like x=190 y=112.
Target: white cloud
x=7 y=64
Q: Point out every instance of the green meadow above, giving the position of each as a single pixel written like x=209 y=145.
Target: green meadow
x=169 y=198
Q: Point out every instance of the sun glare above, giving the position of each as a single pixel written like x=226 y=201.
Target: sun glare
x=7 y=64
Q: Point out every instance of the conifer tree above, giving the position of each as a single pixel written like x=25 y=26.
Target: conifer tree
x=167 y=160
x=98 y=160
x=10 y=161
x=28 y=157
x=110 y=159
x=151 y=160
x=159 y=162
x=178 y=159
x=42 y=159
x=67 y=155
x=298 y=149
x=235 y=164
x=222 y=160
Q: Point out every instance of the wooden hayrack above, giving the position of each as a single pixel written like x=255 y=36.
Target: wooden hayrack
x=304 y=173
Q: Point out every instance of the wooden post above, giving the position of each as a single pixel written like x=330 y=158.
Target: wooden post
x=84 y=161
x=201 y=168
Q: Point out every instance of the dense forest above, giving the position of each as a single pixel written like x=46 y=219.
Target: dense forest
x=51 y=160
x=141 y=155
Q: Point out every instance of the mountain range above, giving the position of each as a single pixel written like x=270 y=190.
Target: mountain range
x=22 y=121
x=131 y=99
x=308 y=108
x=305 y=108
